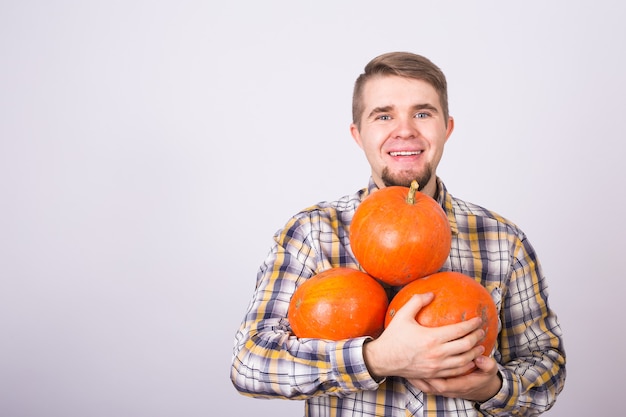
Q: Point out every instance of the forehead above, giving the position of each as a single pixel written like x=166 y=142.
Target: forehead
x=395 y=91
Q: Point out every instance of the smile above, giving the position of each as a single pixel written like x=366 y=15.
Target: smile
x=405 y=153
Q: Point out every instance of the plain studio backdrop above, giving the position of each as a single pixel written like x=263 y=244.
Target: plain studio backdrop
x=150 y=149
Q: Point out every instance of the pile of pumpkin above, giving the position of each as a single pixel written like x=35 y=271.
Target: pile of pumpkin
x=401 y=237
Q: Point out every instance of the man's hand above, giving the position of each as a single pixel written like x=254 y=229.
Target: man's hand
x=480 y=385
x=420 y=353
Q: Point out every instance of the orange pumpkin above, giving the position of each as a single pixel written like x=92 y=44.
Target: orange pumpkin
x=336 y=304
x=457 y=298
x=399 y=234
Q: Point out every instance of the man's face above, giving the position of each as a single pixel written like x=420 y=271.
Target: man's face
x=403 y=131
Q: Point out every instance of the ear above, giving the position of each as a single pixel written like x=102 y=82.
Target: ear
x=450 y=127
x=354 y=131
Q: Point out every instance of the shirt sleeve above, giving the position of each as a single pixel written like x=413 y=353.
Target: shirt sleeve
x=268 y=359
x=530 y=352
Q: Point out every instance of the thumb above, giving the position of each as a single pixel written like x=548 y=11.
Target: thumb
x=410 y=309
x=485 y=364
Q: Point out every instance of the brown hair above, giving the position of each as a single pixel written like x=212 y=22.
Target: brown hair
x=403 y=64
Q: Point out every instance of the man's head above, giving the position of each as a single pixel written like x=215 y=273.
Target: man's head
x=401 y=119
x=402 y=64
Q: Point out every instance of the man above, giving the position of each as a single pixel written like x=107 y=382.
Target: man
x=401 y=121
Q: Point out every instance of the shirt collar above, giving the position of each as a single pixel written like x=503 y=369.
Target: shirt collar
x=445 y=200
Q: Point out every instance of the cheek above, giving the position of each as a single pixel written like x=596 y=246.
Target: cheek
x=374 y=153
x=437 y=155
x=439 y=143
x=369 y=145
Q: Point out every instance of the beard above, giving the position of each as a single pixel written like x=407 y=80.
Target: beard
x=404 y=178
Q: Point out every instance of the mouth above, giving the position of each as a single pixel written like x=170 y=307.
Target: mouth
x=405 y=153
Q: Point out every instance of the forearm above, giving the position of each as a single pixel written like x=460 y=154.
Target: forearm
x=529 y=386
x=275 y=364
x=530 y=347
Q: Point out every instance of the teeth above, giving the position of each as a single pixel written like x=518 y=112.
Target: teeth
x=405 y=153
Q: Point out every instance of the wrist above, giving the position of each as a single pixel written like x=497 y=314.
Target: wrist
x=371 y=362
x=493 y=387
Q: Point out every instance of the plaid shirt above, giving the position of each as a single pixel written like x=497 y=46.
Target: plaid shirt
x=269 y=361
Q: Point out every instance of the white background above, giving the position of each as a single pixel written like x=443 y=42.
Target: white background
x=149 y=150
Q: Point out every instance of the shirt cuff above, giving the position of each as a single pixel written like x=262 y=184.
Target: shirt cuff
x=349 y=366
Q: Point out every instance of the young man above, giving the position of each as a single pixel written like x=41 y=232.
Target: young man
x=401 y=121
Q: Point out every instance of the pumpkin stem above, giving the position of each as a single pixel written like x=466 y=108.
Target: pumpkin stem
x=410 y=199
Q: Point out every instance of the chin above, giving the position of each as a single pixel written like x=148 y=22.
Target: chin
x=395 y=182
x=405 y=179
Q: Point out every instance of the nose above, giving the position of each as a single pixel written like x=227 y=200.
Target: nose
x=405 y=128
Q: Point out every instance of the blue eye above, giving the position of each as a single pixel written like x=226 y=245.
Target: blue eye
x=421 y=115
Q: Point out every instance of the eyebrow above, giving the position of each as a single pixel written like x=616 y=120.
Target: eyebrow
x=416 y=107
